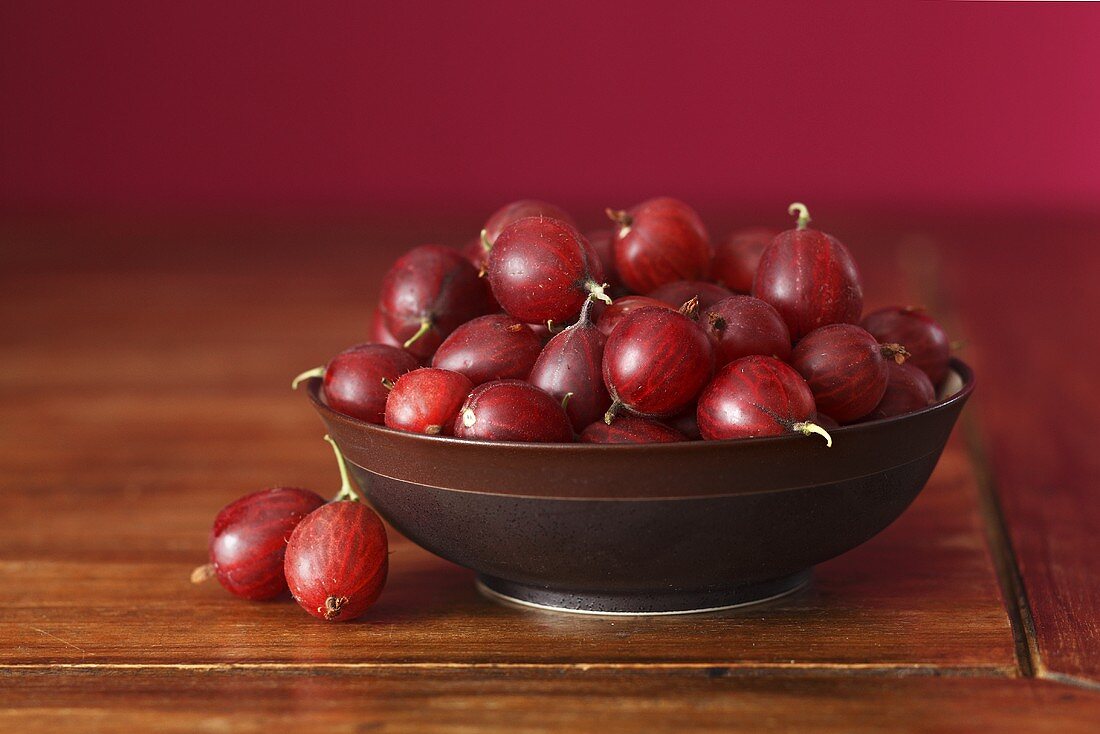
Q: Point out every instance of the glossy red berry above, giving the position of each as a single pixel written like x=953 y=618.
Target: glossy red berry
x=659 y=241
x=427 y=293
x=630 y=429
x=656 y=361
x=810 y=278
x=516 y=211
x=570 y=370
x=929 y=348
x=741 y=326
x=845 y=368
x=757 y=396
x=493 y=347
x=378 y=333
x=907 y=389
x=511 y=410
x=427 y=401
x=542 y=269
x=248 y=540
x=679 y=292
x=355 y=380
x=601 y=241
x=736 y=258
x=686 y=422
x=336 y=561
x=615 y=313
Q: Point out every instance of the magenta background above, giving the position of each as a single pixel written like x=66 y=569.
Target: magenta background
x=149 y=106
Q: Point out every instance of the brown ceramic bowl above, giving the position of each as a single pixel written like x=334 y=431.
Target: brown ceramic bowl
x=647 y=529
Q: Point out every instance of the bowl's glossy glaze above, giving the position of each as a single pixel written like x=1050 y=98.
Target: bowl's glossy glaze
x=652 y=528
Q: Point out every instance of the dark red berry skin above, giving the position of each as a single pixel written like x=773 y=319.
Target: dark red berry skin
x=686 y=422
x=493 y=347
x=736 y=258
x=601 y=241
x=432 y=284
x=378 y=333
x=826 y=422
x=337 y=560
x=615 y=313
x=427 y=401
x=907 y=389
x=511 y=410
x=541 y=269
x=248 y=540
x=661 y=240
x=475 y=252
x=811 y=280
x=845 y=369
x=521 y=209
x=752 y=397
x=926 y=341
x=571 y=362
x=353 y=379
x=630 y=429
x=679 y=292
x=741 y=326
x=656 y=361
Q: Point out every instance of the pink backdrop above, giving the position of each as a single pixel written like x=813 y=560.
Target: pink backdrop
x=145 y=106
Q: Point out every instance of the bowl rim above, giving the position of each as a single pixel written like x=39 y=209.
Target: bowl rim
x=963 y=370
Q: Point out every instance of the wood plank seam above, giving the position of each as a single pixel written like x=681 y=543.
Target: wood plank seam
x=712 y=669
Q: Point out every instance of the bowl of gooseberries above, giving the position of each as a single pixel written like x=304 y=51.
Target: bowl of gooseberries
x=633 y=420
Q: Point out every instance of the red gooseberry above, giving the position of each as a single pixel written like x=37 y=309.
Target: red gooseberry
x=338 y=556
x=736 y=258
x=741 y=326
x=542 y=269
x=630 y=429
x=757 y=396
x=512 y=410
x=570 y=369
x=929 y=348
x=427 y=294
x=427 y=400
x=355 y=379
x=659 y=241
x=491 y=347
x=907 y=389
x=809 y=277
x=679 y=292
x=656 y=361
x=845 y=368
x=248 y=541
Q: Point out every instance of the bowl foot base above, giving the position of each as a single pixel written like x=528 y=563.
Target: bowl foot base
x=641 y=604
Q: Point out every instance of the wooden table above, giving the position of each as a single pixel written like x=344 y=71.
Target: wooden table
x=145 y=383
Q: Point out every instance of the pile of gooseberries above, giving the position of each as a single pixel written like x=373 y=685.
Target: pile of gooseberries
x=533 y=332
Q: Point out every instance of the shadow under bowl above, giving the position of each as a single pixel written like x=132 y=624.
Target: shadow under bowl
x=647 y=529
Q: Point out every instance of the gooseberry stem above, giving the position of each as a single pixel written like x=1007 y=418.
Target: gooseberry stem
x=347 y=491
x=565 y=400
x=425 y=325
x=806 y=428
x=202 y=573
x=595 y=290
x=896 y=352
x=485 y=243
x=803 y=214
x=612 y=411
x=315 y=372
x=622 y=218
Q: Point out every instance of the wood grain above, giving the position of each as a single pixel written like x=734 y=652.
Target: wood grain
x=506 y=701
x=1027 y=310
x=150 y=397
x=145 y=384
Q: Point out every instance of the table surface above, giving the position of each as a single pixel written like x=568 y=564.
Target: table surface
x=146 y=383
